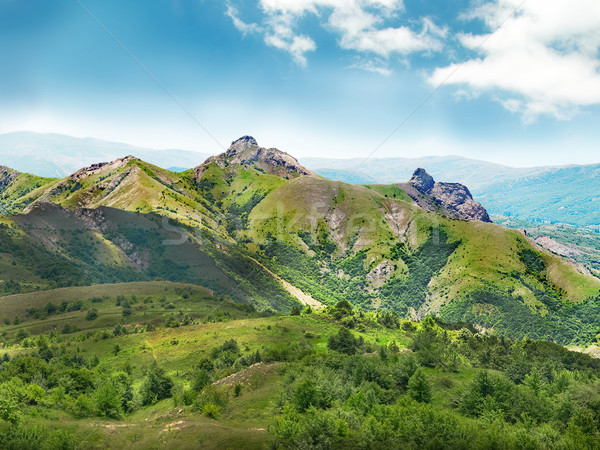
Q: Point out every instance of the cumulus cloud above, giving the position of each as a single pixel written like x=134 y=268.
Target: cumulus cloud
x=541 y=55
x=358 y=24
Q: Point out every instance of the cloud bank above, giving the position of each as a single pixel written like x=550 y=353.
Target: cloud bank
x=358 y=24
x=540 y=57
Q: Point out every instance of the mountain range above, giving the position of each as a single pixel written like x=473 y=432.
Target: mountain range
x=256 y=226
x=561 y=194
x=57 y=155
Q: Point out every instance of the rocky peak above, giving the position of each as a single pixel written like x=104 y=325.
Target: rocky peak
x=7 y=175
x=241 y=144
x=245 y=151
x=454 y=199
x=422 y=180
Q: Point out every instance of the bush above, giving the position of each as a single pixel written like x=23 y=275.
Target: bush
x=157 y=385
x=343 y=342
x=419 y=388
x=92 y=314
x=211 y=410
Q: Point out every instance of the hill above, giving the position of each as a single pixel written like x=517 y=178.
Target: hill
x=563 y=194
x=170 y=365
x=255 y=225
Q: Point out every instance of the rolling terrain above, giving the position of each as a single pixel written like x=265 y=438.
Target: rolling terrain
x=255 y=225
x=249 y=302
x=561 y=194
x=168 y=364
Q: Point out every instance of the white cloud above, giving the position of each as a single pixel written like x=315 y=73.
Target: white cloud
x=242 y=26
x=374 y=66
x=359 y=25
x=543 y=55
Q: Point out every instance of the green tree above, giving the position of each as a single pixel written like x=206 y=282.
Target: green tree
x=305 y=395
x=419 y=387
x=157 y=385
x=109 y=400
x=343 y=342
x=201 y=379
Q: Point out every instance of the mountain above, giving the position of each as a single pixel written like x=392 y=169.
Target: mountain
x=246 y=152
x=56 y=155
x=562 y=194
x=452 y=199
x=568 y=195
x=255 y=225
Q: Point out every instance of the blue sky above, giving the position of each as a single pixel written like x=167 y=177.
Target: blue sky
x=514 y=82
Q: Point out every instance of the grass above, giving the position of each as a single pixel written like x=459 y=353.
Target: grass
x=232 y=214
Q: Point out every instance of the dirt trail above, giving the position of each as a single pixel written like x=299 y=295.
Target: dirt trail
x=305 y=299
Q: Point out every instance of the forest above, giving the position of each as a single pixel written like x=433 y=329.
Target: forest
x=334 y=378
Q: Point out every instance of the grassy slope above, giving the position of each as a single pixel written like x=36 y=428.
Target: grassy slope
x=248 y=419
x=355 y=218
x=234 y=212
x=22 y=191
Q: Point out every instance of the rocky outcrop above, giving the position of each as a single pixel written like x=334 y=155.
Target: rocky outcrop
x=7 y=175
x=245 y=151
x=556 y=247
x=451 y=199
x=95 y=168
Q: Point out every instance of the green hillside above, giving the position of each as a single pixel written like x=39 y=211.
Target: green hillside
x=176 y=366
x=254 y=225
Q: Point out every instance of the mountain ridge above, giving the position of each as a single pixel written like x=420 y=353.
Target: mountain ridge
x=255 y=219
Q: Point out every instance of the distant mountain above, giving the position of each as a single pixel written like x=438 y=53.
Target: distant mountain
x=569 y=195
x=470 y=172
x=561 y=194
x=56 y=155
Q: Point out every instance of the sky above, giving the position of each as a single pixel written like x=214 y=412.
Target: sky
x=508 y=81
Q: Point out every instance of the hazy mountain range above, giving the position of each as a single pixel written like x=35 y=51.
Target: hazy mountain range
x=57 y=155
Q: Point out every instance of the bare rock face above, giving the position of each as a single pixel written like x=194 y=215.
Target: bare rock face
x=7 y=175
x=245 y=151
x=380 y=273
x=554 y=246
x=454 y=199
x=95 y=168
x=422 y=180
x=238 y=146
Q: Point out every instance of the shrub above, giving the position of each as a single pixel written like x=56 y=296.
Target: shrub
x=419 y=388
x=157 y=385
x=211 y=410
x=92 y=314
x=343 y=342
